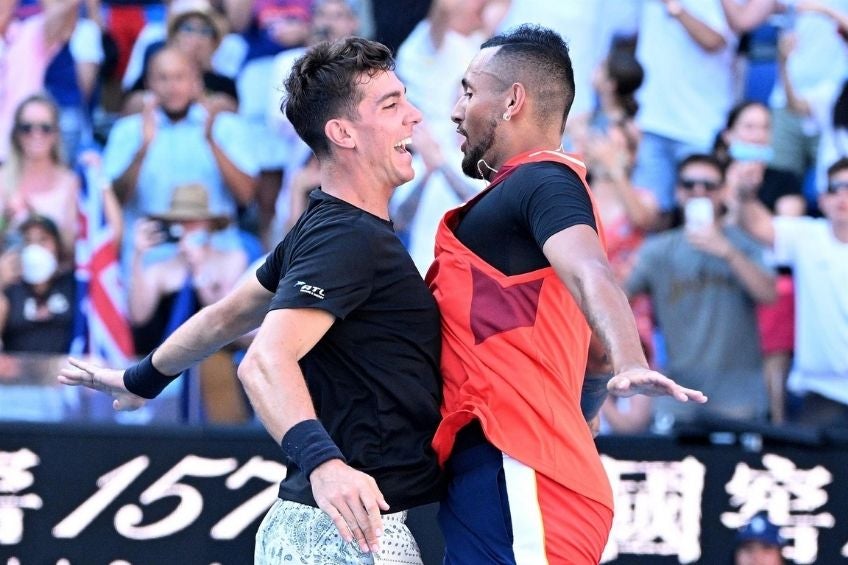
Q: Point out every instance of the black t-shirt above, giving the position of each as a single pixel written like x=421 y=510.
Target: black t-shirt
x=374 y=377
x=40 y=324
x=777 y=183
x=509 y=225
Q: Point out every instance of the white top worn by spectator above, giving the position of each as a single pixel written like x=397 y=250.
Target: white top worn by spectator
x=432 y=75
x=579 y=22
x=820 y=267
x=687 y=90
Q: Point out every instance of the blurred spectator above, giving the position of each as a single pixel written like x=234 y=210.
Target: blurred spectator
x=745 y=147
x=608 y=138
x=744 y=16
x=431 y=62
x=72 y=81
x=583 y=23
x=277 y=25
x=282 y=148
x=759 y=543
x=615 y=82
x=817 y=251
x=824 y=103
x=35 y=178
x=809 y=84
x=175 y=141
x=26 y=48
x=228 y=57
x=418 y=206
x=163 y=294
x=36 y=314
x=196 y=29
x=433 y=58
x=675 y=37
x=305 y=180
x=704 y=280
x=395 y=19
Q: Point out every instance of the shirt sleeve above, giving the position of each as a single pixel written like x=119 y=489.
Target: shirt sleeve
x=330 y=268
x=86 y=42
x=232 y=136
x=124 y=140
x=639 y=281
x=552 y=199
x=788 y=231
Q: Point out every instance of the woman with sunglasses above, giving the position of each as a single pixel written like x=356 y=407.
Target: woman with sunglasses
x=35 y=178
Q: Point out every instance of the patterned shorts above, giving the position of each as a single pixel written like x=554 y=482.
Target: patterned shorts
x=293 y=533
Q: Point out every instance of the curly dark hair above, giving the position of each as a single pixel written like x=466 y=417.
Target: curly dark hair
x=324 y=82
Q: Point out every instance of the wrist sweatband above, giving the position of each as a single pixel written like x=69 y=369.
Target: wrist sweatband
x=145 y=380
x=308 y=445
x=593 y=395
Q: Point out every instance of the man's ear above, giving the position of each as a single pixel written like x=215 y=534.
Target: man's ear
x=516 y=98
x=338 y=133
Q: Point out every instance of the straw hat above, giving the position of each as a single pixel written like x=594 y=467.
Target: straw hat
x=190 y=202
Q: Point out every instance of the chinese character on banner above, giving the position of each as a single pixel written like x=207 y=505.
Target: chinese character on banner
x=791 y=496
x=14 y=478
x=657 y=508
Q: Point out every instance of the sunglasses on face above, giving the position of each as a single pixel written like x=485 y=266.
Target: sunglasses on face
x=205 y=31
x=691 y=183
x=837 y=186
x=27 y=128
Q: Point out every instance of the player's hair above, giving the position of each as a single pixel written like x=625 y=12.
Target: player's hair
x=324 y=84
x=538 y=58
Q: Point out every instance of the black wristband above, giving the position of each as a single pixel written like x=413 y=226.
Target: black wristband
x=145 y=380
x=308 y=445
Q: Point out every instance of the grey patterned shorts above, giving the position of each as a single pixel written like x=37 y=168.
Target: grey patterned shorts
x=293 y=533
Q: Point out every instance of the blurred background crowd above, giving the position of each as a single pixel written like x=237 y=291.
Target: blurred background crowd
x=145 y=166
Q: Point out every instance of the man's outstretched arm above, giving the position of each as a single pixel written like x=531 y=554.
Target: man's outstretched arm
x=201 y=335
x=579 y=261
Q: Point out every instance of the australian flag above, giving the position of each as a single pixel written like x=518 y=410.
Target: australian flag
x=101 y=327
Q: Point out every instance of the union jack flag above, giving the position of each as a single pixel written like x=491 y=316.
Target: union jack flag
x=101 y=328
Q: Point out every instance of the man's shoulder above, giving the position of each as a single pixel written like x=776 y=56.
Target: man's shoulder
x=543 y=172
x=329 y=217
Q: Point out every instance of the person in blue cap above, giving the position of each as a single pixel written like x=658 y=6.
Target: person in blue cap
x=759 y=543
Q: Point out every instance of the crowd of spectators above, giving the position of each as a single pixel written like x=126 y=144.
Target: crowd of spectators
x=715 y=134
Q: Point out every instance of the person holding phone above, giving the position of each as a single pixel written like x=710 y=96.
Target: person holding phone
x=704 y=279
x=744 y=147
x=169 y=285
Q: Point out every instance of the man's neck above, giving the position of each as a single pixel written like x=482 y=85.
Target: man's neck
x=356 y=188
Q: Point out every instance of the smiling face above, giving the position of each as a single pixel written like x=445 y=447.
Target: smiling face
x=477 y=115
x=36 y=131
x=383 y=129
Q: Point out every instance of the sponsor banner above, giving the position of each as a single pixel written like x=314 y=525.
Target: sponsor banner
x=83 y=494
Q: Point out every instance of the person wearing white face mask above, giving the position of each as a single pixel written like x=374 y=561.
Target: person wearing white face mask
x=36 y=314
x=744 y=148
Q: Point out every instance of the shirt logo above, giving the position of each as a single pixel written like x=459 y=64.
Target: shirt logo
x=311 y=290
